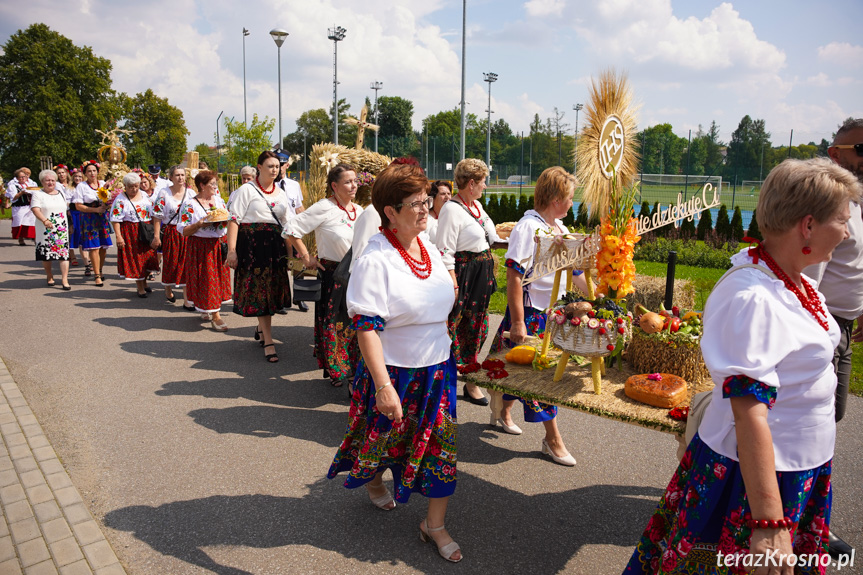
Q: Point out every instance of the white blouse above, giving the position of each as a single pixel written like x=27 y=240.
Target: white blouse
x=415 y=310
x=431 y=228
x=756 y=327
x=165 y=206
x=459 y=231
x=66 y=191
x=192 y=211
x=84 y=194
x=125 y=210
x=295 y=195
x=249 y=206
x=334 y=230
x=522 y=247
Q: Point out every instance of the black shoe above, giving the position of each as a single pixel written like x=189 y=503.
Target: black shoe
x=283 y=311
x=301 y=305
x=481 y=401
x=837 y=547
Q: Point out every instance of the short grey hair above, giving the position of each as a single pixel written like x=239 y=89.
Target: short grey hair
x=847 y=126
x=131 y=179
x=44 y=173
x=248 y=170
x=173 y=169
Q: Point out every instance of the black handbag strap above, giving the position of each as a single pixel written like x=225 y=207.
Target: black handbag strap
x=476 y=219
x=177 y=213
x=133 y=207
x=278 y=223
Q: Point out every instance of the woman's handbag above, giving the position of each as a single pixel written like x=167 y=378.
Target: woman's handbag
x=339 y=297
x=307 y=288
x=223 y=251
x=146 y=231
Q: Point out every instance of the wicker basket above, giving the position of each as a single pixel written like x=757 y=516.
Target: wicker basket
x=585 y=340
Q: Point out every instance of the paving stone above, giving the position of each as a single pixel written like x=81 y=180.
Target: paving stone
x=7 y=417
x=43 y=453
x=32 y=478
x=43 y=568
x=16 y=401
x=77 y=568
x=6 y=463
x=22 y=410
x=14 y=439
x=10 y=567
x=88 y=532
x=18 y=511
x=115 y=569
x=33 y=430
x=51 y=466
x=3 y=407
x=76 y=513
x=28 y=419
x=8 y=477
x=24 y=530
x=4 y=528
x=10 y=428
x=58 y=480
x=99 y=554
x=33 y=552
x=25 y=464
x=38 y=441
x=19 y=451
x=7 y=549
x=56 y=530
x=67 y=496
x=12 y=494
x=47 y=511
x=39 y=494
x=66 y=551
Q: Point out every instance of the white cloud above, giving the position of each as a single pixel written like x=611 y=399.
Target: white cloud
x=820 y=80
x=842 y=53
x=540 y=8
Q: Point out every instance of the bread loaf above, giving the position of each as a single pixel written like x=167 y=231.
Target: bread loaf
x=667 y=392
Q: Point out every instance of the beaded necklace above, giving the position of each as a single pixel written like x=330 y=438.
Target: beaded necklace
x=273 y=189
x=342 y=208
x=810 y=301
x=421 y=268
x=469 y=206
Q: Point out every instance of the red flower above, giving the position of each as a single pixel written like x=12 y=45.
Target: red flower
x=692 y=498
x=719 y=471
x=492 y=364
x=683 y=547
x=804 y=543
x=469 y=368
x=434 y=449
x=669 y=560
x=808 y=485
x=679 y=413
x=497 y=373
x=655 y=529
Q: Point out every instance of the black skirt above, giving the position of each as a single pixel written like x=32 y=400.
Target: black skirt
x=261 y=279
x=474 y=272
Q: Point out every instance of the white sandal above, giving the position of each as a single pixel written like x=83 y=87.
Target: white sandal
x=448 y=550
x=382 y=502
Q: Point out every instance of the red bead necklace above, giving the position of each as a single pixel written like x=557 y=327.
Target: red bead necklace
x=270 y=191
x=470 y=206
x=351 y=216
x=422 y=267
x=810 y=301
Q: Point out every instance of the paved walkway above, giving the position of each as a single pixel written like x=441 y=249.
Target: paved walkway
x=45 y=528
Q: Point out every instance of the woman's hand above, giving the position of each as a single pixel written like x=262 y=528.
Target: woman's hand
x=764 y=541
x=121 y=243
x=156 y=243
x=48 y=225
x=388 y=403
x=517 y=332
x=231 y=260
x=101 y=209
x=310 y=262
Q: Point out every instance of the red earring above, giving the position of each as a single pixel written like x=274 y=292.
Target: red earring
x=395 y=231
x=806 y=250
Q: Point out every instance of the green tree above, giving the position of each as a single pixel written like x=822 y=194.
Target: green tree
x=243 y=145
x=663 y=150
x=748 y=142
x=54 y=95
x=705 y=225
x=687 y=228
x=723 y=225
x=207 y=154
x=158 y=130
x=753 y=231
x=396 y=117
x=736 y=225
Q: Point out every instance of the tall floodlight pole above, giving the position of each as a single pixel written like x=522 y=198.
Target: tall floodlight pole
x=463 y=46
x=577 y=108
x=336 y=34
x=218 y=142
x=488 y=77
x=279 y=35
x=376 y=86
x=245 y=108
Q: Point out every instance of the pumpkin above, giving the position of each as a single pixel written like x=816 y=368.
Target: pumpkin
x=651 y=322
x=522 y=354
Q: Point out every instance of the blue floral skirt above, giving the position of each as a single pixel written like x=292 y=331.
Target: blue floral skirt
x=91 y=233
x=421 y=450
x=534 y=319
x=705 y=511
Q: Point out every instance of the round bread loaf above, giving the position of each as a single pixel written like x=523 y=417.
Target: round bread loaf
x=666 y=393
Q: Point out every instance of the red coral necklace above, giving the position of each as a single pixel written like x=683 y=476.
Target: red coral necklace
x=352 y=215
x=270 y=191
x=421 y=268
x=810 y=301
x=470 y=206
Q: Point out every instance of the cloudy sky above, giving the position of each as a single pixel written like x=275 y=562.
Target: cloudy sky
x=795 y=64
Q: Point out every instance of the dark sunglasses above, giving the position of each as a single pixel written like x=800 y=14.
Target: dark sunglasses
x=857 y=148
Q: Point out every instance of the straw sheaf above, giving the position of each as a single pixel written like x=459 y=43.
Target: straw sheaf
x=362 y=160
x=650 y=355
x=650 y=292
x=609 y=95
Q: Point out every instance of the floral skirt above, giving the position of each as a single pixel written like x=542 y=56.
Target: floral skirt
x=705 y=511
x=421 y=450
x=53 y=244
x=72 y=216
x=336 y=346
x=173 y=256
x=135 y=260
x=208 y=279
x=261 y=284
x=534 y=320
x=468 y=321
x=92 y=231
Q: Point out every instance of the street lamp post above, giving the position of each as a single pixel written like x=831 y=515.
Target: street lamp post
x=218 y=142
x=245 y=108
x=336 y=34
x=577 y=108
x=279 y=35
x=463 y=46
x=376 y=86
x=488 y=77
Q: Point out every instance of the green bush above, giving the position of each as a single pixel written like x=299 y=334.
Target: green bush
x=689 y=253
x=581 y=216
x=645 y=210
x=687 y=228
x=723 y=225
x=705 y=224
x=753 y=231
x=737 y=224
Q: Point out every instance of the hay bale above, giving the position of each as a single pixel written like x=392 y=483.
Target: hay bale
x=650 y=292
x=649 y=354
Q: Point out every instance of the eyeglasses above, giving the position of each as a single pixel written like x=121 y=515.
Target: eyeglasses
x=418 y=205
x=857 y=148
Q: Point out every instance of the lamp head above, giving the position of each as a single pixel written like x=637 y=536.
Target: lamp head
x=279 y=35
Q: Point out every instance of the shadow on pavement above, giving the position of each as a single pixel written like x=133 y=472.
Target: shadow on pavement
x=492 y=532
x=272 y=390
x=323 y=427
